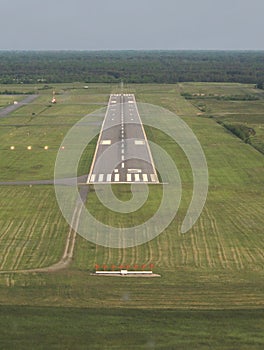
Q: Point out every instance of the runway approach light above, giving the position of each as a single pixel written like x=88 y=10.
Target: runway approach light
x=62 y=147
x=46 y=148
x=15 y=103
x=54 y=98
x=12 y=148
x=29 y=148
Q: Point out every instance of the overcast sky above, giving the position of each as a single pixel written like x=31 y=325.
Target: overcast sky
x=137 y=24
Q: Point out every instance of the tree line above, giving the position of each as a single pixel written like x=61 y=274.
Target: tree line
x=131 y=66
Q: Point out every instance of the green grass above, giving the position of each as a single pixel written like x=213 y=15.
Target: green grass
x=123 y=193
x=33 y=232
x=219 y=89
x=40 y=124
x=247 y=113
x=228 y=234
x=6 y=100
x=69 y=328
x=218 y=265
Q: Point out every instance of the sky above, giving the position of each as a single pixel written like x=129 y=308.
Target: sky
x=131 y=25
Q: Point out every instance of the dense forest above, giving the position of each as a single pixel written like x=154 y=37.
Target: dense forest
x=131 y=66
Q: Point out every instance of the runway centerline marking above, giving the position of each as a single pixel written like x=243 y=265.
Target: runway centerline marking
x=128 y=153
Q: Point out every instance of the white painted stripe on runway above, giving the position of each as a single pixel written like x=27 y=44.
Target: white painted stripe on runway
x=129 y=177
x=137 y=178
x=153 y=177
x=145 y=177
x=139 y=142
x=147 y=144
x=101 y=178
x=123 y=165
x=122 y=112
x=106 y=142
x=100 y=135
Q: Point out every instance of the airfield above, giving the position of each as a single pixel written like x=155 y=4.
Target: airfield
x=131 y=161
x=211 y=277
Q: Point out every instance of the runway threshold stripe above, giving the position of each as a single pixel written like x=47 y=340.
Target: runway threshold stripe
x=145 y=177
x=109 y=177
x=129 y=178
x=101 y=178
x=116 y=177
x=92 y=178
x=137 y=178
x=153 y=178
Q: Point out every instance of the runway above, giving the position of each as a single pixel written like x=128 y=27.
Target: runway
x=11 y=108
x=122 y=153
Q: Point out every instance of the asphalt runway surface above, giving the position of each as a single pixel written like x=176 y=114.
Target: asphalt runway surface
x=11 y=108
x=122 y=154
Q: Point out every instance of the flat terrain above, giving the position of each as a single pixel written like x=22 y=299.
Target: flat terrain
x=75 y=328
x=122 y=153
x=217 y=265
x=17 y=104
x=233 y=104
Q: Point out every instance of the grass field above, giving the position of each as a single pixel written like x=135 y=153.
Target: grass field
x=217 y=265
x=235 y=104
x=32 y=236
x=136 y=329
